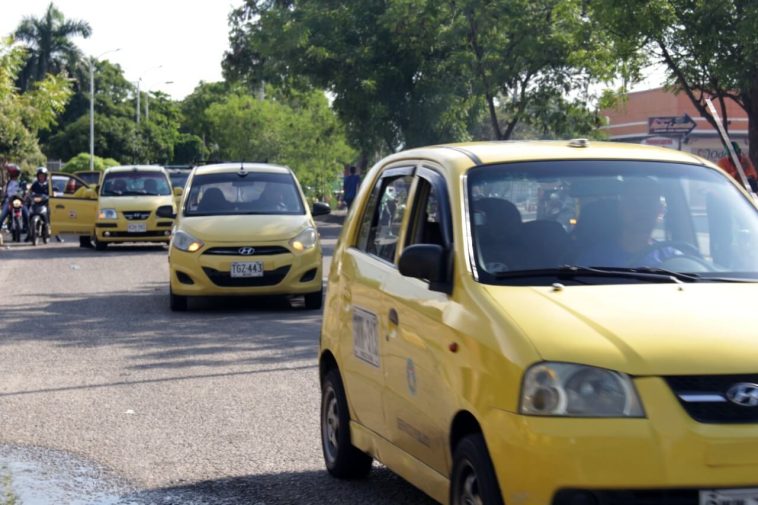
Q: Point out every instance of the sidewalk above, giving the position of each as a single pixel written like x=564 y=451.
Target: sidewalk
x=335 y=217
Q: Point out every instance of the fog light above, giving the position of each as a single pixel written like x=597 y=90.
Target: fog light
x=107 y=234
x=167 y=233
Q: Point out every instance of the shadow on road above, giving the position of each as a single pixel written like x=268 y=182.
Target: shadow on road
x=311 y=487
x=223 y=332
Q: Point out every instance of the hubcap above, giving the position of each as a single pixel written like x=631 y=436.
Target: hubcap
x=330 y=425
x=470 y=489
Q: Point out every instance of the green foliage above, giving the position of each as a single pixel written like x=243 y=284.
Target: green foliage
x=189 y=149
x=7 y=495
x=411 y=72
x=23 y=115
x=298 y=130
x=80 y=163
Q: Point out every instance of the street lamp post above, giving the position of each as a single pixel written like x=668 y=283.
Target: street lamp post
x=139 y=81
x=92 y=106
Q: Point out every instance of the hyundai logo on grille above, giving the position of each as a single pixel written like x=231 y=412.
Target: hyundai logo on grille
x=744 y=394
x=247 y=251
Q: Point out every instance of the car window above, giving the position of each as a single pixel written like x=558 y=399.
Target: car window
x=425 y=226
x=610 y=214
x=382 y=220
x=66 y=186
x=251 y=193
x=135 y=183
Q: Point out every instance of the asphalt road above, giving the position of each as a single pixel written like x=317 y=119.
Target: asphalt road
x=216 y=406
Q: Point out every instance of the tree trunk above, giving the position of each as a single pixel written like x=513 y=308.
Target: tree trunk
x=752 y=124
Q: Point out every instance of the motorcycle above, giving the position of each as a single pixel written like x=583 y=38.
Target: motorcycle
x=16 y=216
x=39 y=228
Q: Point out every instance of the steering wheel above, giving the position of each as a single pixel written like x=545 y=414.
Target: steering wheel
x=689 y=261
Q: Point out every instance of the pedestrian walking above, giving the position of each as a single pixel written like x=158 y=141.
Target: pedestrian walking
x=727 y=164
x=350 y=186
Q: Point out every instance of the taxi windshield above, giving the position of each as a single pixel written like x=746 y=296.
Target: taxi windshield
x=534 y=222
x=243 y=193
x=135 y=184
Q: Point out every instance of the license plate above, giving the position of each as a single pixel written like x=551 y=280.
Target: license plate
x=136 y=228
x=247 y=269
x=729 y=497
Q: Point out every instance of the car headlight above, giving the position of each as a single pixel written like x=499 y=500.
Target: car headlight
x=563 y=389
x=306 y=239
x=107 y=214
x=186 y=242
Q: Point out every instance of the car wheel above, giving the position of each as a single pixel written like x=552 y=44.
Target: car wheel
x=178 y=303
x=100 y=246
x=85 y=241
x=314 y=301
x=473 y=479
x=343 y=460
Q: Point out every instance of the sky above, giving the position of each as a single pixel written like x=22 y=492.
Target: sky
x=186 y=39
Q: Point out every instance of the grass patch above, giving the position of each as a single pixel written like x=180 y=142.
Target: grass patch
x=7 y=496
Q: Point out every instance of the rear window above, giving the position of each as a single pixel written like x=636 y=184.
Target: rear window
x=135 y=184
x=251 y=193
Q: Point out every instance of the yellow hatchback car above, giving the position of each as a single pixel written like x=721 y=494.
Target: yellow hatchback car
x=129 y=199
x=245 y=229
x=537 y=323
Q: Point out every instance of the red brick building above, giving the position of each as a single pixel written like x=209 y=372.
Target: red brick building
x=629 y=123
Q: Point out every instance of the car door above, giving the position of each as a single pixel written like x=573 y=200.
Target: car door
x=363 y=270
x=417 y=397
x=73 y=205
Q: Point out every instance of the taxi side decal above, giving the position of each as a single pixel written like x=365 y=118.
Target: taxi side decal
x=365 y=336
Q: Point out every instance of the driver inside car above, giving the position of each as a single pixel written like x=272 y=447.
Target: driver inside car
x=639 y=207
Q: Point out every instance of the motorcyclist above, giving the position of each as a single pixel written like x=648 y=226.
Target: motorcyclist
x=41 y=189
x=11 y=189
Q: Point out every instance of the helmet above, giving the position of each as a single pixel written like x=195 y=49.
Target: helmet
x=41 y=170
x=13 y=170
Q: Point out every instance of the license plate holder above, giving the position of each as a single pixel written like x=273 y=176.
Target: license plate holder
x=729 y=496
x=136 y=227
x=247 y=269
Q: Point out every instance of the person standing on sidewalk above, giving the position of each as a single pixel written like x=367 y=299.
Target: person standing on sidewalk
x=350 y=186
x=727 y=164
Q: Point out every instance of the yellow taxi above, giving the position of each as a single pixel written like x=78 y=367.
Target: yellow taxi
x=538 y=323
x=245 y=229
x=129 y=199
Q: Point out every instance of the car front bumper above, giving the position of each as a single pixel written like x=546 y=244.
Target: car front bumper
x=665 y=457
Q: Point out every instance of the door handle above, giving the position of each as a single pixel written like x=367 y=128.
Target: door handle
x=59 y=206
x=394 y=319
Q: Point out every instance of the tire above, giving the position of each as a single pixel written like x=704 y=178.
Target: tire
x=314 y=301
x=473 y=479
x=178 y=303
x=100 y=246
x=85 y=241
x=342 y=459
x=45 y=233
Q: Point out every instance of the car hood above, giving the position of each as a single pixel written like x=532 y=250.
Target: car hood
x=244 y=230
x=130 y=203
x=646 y=329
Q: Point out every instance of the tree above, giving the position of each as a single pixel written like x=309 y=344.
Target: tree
x=405 y=73
x=51 y=49
x=709 y=49
x=23 y=115
x=298 y=130
x=80 y=163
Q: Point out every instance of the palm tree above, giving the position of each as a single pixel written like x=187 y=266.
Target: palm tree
x=50 y=46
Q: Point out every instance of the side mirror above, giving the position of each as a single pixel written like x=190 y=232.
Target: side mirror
x=178 y=191
x=320 y=209
x=165 y=211
x=429 y=262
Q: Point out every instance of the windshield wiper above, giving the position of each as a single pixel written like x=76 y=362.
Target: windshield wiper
x=691 y=277
x=574 y=271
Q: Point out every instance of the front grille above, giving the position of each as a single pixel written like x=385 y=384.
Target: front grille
x=622 y=497
x=264 y=250
x=224 y=279
x=148 y=234
x=137 y=215
x=704 y=397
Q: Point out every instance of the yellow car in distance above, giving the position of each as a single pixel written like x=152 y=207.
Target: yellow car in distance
x=546 y=323
x=243 y=230
x=128 y=201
